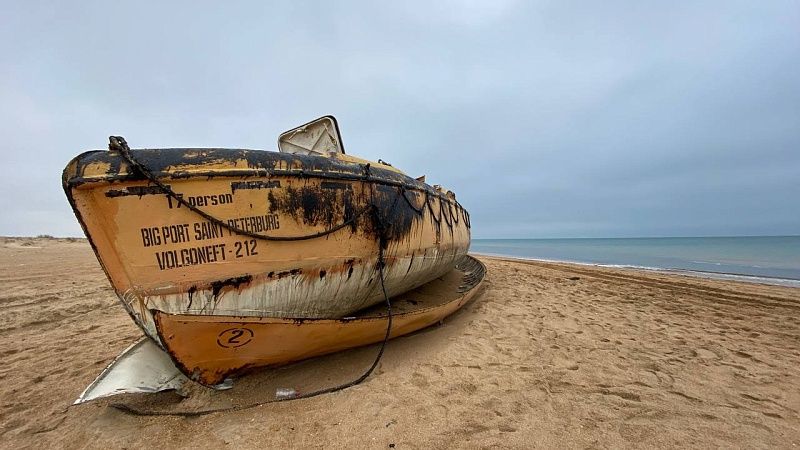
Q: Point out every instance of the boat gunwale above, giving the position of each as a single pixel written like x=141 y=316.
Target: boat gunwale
x=352 y=171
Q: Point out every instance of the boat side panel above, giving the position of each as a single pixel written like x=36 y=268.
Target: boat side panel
x=209 y=349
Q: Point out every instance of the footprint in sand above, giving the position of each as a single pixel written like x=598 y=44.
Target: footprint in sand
x=419 y=380
x=704 y=353
x=635 y=433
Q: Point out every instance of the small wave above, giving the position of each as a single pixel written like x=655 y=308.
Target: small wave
x=567 y=261
x=626 y=266
x=736 y=276
x=715 y=263
x=730 y=264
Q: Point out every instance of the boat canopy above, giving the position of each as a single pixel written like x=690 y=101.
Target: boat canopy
x=319 y=137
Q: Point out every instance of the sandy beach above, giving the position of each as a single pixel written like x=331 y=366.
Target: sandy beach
x=548 y=355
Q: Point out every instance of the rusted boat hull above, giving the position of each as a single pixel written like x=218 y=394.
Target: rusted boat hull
x=208 y=349
x=160 y=255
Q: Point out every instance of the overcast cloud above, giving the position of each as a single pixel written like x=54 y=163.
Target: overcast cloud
x=548 y=119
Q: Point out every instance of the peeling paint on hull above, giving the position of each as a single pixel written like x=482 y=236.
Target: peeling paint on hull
x=161 y=256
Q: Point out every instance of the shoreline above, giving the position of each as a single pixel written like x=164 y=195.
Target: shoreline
x=753 y=279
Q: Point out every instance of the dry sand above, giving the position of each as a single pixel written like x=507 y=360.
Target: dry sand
x=549 y=355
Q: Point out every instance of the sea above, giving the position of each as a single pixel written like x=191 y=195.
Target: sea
x=764 y=259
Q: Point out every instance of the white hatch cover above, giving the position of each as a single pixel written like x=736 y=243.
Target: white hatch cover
x=319 y=137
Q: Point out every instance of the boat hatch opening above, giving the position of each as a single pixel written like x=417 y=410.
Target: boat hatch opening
x=319 y=137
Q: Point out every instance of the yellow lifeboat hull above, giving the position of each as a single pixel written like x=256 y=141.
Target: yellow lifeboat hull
x=160 y=255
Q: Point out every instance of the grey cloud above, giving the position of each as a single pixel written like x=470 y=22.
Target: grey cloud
x=549 y=119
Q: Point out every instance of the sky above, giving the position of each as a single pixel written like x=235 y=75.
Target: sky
x=548 y=119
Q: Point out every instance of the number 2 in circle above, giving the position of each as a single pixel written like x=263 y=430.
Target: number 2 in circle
x=235 y=337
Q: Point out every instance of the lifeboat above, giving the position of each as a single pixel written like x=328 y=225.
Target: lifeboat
x=209 y=248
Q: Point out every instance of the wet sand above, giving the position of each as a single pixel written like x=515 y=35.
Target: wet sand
x=548 y=355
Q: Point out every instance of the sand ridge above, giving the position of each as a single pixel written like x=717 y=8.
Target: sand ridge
x=548 y=355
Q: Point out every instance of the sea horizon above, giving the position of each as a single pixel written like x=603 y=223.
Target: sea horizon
x=767 y=259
